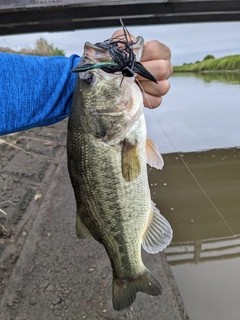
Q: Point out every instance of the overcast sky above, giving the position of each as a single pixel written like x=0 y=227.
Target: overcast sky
x=188 y=42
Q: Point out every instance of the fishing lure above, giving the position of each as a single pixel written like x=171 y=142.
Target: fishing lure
x=110 y=65
x=123 y=58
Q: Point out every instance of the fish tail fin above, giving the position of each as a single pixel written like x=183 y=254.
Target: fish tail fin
x=125 y=291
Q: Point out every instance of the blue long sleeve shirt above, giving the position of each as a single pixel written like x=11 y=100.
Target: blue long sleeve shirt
x=34 y=91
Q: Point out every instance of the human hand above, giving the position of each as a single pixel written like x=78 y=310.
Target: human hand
x=156 y=59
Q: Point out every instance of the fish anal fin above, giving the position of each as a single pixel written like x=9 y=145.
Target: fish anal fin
x=131 y=167
x=125 y=291
x=154 y=158
x=158 y=234
x=81 y=230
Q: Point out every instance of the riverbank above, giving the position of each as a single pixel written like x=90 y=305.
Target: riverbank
x=225 y=64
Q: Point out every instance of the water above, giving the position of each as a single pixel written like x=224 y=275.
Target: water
x=198 y=113
x=201 y=116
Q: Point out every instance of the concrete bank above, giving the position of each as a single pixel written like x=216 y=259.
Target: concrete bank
x=57 y=276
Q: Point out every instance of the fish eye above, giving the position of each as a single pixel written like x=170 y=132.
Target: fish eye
x=88 y=78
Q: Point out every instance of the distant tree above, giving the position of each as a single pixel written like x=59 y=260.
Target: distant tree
x=208 y=57
x=43 y=48
x=197 y=61
x=187 y=64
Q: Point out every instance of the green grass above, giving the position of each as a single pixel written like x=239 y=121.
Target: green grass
x=228 y=63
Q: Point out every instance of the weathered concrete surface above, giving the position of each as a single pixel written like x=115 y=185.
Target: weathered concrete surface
x=28 y=161
x=58 y=276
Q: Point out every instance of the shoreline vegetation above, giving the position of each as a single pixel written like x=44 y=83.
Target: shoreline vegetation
x=210 y=64
x=42 y=48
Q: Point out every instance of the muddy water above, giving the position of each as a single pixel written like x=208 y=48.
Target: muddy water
x=201 y=117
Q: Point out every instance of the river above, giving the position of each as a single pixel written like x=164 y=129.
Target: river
x=197 y=129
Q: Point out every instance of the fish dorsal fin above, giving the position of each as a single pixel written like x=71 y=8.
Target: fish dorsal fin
x=158 y=234
x=154 y=158
x=131 y=167
x=81 y=230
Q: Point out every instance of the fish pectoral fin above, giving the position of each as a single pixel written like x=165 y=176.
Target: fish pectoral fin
x=154 y=158
x=158 y=234
x=131 y=167
x=124 y=291
x=81 y=230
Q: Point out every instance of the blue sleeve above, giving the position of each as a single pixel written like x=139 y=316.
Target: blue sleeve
x=34 y=91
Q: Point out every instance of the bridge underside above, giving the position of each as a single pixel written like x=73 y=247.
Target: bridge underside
x=28 y=16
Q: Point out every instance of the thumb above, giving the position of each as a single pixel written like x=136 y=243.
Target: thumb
x=121 y=36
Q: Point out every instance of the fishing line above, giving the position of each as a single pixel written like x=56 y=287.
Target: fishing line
x=195 y=179
x=186 y=166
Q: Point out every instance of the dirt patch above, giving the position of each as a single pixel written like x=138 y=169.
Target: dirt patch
x=6 y=271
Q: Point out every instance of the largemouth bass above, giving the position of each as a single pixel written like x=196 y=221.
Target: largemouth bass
x=108 y=152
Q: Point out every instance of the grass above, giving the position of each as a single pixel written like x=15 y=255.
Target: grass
x=42 y=48
x=228 y=63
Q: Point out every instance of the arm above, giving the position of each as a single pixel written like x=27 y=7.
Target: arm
x=34 y=91
x=37 y=91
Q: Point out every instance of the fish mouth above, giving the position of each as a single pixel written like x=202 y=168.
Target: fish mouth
x=111 y=56
x=95 y=54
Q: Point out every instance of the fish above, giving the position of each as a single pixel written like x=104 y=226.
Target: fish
x=108 y=151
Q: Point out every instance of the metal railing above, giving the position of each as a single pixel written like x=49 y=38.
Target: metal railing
x=203 y=250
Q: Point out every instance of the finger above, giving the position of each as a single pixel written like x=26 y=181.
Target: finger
x=150 y=101
x=159 y=89
x=155 y=50
x=160 y=69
